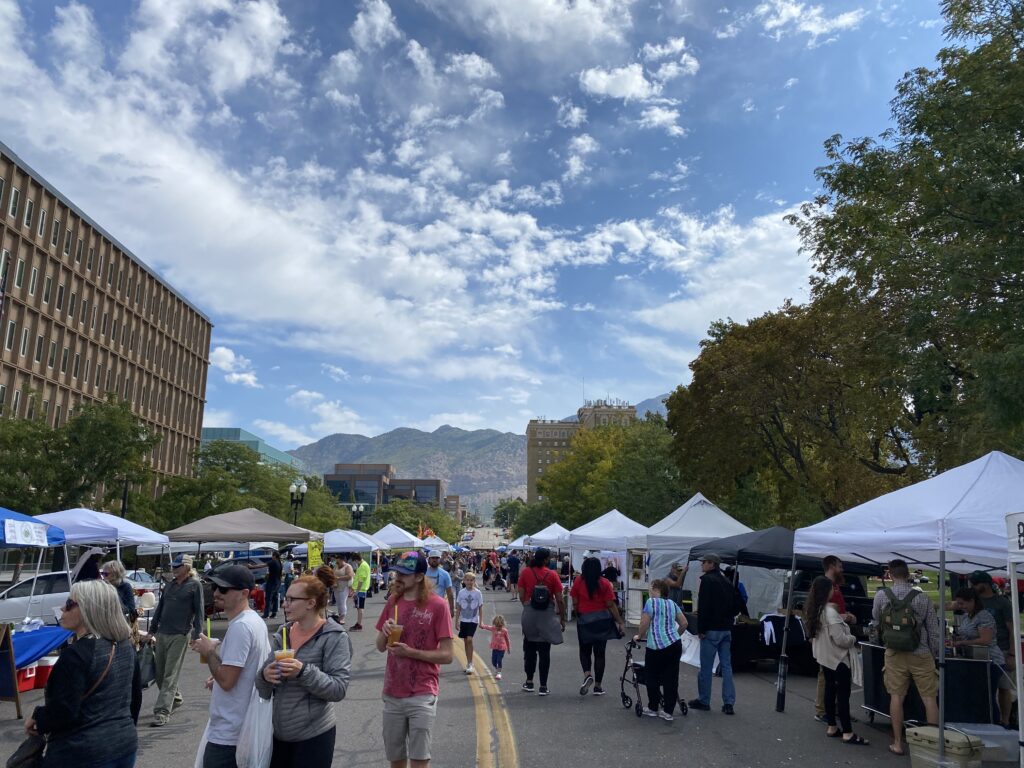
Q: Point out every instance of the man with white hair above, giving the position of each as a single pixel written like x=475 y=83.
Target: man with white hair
x=179 y=615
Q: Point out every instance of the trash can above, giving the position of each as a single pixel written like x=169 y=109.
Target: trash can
x=962 y=749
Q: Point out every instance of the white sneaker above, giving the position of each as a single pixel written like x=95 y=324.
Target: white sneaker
x=650 y=712
x=498 y=676
x=666 y=716
x=469 y=669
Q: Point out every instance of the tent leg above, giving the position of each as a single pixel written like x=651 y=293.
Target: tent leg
x=35 y=580
x=780 y=683
x=1011 y=568
x=942 y=655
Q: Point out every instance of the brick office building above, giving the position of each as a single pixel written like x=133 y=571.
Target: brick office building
x=81 y=316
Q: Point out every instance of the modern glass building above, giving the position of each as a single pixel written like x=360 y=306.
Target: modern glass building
x=268 y=453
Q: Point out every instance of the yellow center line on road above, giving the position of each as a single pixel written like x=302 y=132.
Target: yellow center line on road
x=491 y=717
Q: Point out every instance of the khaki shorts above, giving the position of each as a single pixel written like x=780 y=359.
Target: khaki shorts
x=902 y=666
x=1007 y=680
x=407 y=727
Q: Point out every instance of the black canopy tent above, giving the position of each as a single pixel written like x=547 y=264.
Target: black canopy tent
x=769 y=548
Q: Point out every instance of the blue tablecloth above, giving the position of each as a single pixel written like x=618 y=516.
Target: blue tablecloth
x=31 y=646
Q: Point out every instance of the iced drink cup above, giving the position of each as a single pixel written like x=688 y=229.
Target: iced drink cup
x=285 y=653
x=395 y=635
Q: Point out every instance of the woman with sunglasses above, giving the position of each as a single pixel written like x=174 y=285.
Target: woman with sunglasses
x=306 y=685
x=92 y=699
x=113 y=573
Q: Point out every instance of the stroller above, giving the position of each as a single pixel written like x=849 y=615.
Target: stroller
x=634 y=674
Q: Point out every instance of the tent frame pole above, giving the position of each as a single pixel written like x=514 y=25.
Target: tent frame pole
x=35 y=581
x=942 y=655
x=780 y=682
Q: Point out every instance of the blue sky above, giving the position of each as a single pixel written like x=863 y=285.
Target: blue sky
x=471 y=212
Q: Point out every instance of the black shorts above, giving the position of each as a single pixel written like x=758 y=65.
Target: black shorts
x=360 y=599
x=467 y=628
x=513 y=577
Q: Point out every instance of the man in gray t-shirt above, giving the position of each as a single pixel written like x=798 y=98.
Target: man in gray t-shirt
x=234 y=664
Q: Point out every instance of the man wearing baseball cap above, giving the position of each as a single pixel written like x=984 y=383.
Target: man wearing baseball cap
x=1002 y=611
x=234 y=663
x=413 y=669
x=441 y=579
x=716 y=610
x=178 y=615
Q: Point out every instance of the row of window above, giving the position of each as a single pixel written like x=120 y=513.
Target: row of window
x=171 y=455
x=123 y=329
x=120 y=273
x=112 y=373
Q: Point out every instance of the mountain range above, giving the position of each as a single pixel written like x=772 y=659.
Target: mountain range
x=482 y=466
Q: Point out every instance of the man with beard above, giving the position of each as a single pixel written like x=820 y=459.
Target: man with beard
x=422 y=621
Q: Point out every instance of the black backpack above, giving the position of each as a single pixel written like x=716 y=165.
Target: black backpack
x=540 y=600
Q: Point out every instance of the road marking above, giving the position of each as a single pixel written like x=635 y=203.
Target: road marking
x=495 y=743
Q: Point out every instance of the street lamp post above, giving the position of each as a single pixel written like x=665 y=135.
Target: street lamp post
x=357 y=515
x=298 y=494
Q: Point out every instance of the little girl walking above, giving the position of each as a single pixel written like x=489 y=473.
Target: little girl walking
x=500 y=643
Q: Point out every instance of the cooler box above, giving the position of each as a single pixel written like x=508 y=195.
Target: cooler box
x=962 y=749
x=27 y=678
x=999 y=746
x=44 y=669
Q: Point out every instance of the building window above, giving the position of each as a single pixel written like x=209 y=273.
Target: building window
x=77 y=366
x=33 y=280
x=99 y=375
x=53 y=355
x=85 y=310
x=60 y=297
x=103 y=327
x=89 y=262
x=41 y=230
x=92 y=324
x=12 y=331
x=40 y=347
x=16 y=402
x=78 y=251
x=67 y=242
x=110 y=272
x=15 y=199
x=64 y=360
x=85 y=374
x=56 y=416
x=24 y=341
x=46 y=407
x=47 y=289
x=3 y=397
x=30 y=207
x=31 y=408
x=19 y=274
x=5 y=262
x=72 y=305
x=55 y=236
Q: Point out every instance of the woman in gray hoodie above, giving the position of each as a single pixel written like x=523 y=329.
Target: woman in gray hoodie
x=306 y=685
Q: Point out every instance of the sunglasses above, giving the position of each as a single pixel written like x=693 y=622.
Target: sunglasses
x=70 y=605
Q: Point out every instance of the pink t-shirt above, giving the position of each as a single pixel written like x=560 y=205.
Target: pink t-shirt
x=499 y=638
x=423 y=628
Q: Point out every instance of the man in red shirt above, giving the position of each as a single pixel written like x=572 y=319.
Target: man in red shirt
x=414 y=659
x=833 y=568
x=541 y=629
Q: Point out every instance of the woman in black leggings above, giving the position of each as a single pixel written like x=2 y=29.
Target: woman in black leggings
x=541 y=627
x=597 y=619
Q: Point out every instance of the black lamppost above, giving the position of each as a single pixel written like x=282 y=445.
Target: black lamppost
x=298 y=494
x=357 y=515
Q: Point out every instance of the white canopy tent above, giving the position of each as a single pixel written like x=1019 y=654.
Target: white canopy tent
x=955 y=521
x=207 y=547
x=519 y=543
x=260 y=525
x=698 y=520
x=394 y=537
x=554 y=536
x=612 y=531
x=436 y=542
x=87 y=526
x=341 y=540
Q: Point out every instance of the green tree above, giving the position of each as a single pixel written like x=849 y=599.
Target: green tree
x=413 y=517
x=924 y=224
x=84 y=462
x=535 y=518
x=506 y=511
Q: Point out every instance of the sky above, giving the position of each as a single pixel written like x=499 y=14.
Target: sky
x=411 y=213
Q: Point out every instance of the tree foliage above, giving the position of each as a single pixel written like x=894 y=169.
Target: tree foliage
x=506 y=511
x=83 y=462
x=909 y=357
x=413 y=517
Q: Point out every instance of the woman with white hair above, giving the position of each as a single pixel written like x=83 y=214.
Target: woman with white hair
x=93 y=696
x=113 y=573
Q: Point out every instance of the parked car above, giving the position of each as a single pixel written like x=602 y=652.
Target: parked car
x=258 y=564
x=35 y=597
x=141 y=583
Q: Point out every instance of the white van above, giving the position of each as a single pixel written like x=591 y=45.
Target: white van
x=20 y=600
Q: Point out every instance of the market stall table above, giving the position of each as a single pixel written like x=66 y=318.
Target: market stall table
x=32 y=646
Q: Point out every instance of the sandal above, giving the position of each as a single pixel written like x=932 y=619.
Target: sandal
x=835 y=735
x=856 y=740
x=898 y=752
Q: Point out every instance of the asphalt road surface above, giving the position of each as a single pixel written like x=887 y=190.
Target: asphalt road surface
x=492 y=724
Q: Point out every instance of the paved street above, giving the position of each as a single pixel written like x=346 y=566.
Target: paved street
x=477 y=725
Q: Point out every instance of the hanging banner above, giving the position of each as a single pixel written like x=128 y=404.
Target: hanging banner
x=22 y=532
x=315 y=554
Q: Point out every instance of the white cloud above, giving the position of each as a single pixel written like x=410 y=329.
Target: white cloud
x=374 y=26
x=238 y=369
x=790 y=83
x=335 y=372
x=627 y=83
x=245 y=378
x=247 y=47
x=218 y=417
x=569 y=115
x=341 y=73
x=328 y=416
x=470 y=66
x=670 y=70
x=659 y=355
x=289 y=435
x=672 y=47
x=781 y=17
x=586 y=307
x=662 y=117
x=576 y=164
x=748 y=105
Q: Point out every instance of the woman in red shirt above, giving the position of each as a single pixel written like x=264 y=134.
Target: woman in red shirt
x=541 y=627
x=597 y=621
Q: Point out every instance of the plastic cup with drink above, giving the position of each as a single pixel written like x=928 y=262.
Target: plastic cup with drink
x=395 y=635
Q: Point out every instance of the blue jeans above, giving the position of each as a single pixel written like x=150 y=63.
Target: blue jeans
x=219 y=756
x=125 y=761
x=716 y=642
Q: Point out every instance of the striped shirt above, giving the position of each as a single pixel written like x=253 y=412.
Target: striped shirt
x=663 y=630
